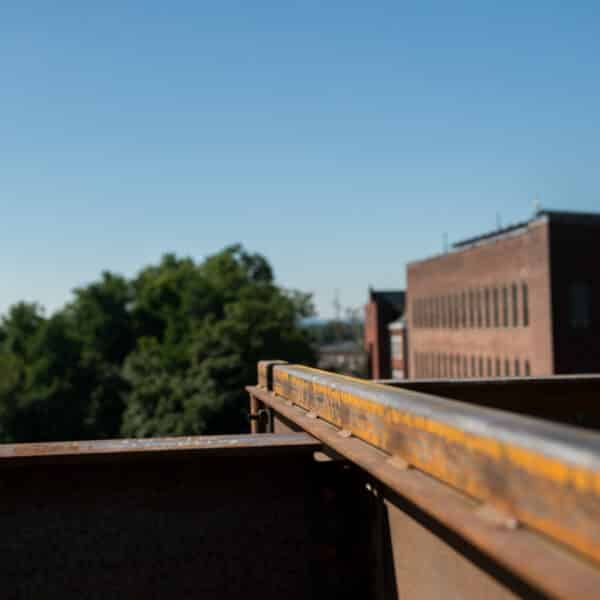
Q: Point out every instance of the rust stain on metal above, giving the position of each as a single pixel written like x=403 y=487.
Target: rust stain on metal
x=222 y=444
x=550 y=567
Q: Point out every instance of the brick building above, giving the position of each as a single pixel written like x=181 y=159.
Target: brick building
x=383 y=308
x=523 y=300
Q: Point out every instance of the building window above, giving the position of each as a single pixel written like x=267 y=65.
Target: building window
x=517 y=367
x=505 y=306
x=463 y=307
x=498 y=373
x=507 y=367
x=489 y=367
x=465 y=367
x=481 y=366
x=397 y=347
x=515 y=307
x=496 y=310
x=473 y=372
x=457 y=310
x=431 y=312
x=478 y=296
x=525 y=302
x=450 y=312
x=486 y=294
x=580 y=305
x=527 y=368
x=471 y=309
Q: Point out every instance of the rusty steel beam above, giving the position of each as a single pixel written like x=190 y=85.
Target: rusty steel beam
x=545 y=475
x=537 y=560
x=151 y=448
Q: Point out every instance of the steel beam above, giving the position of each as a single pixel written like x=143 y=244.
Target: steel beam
x=151 y=448
x=537 y=560
x=546 y=475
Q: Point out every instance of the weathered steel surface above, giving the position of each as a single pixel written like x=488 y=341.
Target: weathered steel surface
x=427 y=567
x=569 y=399
x=547 y=475
x=204 y=525
x=220 y=445
x=265 y=372
x=235 y=517
x=545 y=565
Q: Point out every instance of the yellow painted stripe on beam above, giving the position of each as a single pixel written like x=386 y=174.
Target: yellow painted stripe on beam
x=558 y=471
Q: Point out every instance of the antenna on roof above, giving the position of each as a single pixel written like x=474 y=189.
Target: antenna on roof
x=498 y=221
x=537 y=205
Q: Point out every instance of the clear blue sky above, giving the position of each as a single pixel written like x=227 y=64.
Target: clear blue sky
x=340 y=139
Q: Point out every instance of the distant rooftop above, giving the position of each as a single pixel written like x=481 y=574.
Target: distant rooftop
x=566 y=217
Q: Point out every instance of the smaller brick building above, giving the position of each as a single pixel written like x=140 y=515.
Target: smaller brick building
x=384 y=306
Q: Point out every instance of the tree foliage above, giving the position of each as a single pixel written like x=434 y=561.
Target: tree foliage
x=165 y=353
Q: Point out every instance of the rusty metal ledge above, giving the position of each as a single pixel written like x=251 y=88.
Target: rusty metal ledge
x=152 y=448
x=550 y=567
x=546 y=475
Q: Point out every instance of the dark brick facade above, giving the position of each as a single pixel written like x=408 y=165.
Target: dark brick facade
x=516 y=302
x=575 y=258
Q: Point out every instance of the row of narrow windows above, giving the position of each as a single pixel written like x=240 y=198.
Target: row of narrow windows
x=435 y=364
x=498 y=306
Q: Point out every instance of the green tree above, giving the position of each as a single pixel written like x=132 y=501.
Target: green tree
x=166 y=353
x=216 y=320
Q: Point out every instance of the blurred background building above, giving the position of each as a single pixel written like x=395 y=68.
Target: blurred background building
x=518 y=301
